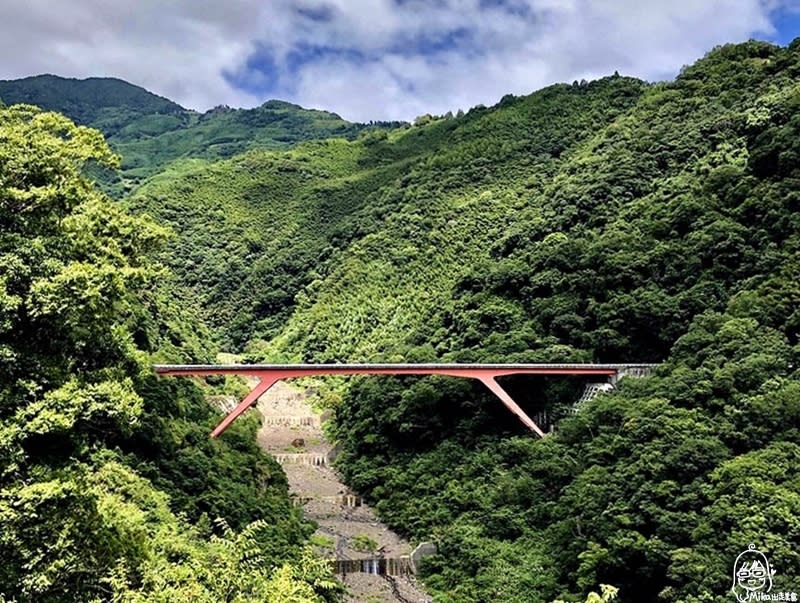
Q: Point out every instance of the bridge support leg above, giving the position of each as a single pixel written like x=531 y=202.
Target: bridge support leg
x=498 y=391
x=263 y=385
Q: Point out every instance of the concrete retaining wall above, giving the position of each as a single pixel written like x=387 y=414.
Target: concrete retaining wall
x=395 y=566
x=306 y=458
x=292 y=421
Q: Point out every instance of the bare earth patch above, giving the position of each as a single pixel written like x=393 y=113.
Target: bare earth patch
x=345 y=532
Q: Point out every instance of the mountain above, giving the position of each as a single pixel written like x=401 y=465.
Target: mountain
x=110 y=488
x=149 y=131
x=408 y=212
x=670 y=235
x=613 y=220
x=103 y=103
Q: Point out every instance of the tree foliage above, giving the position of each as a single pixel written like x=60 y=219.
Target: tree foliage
x=107 y=479
x=653 y=223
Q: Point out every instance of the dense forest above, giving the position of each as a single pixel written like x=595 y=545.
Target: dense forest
x=670 y=235
x=110 y=488
x=612 y=220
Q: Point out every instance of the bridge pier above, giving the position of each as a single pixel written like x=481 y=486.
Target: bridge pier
x=262 y=386
x=498 y=391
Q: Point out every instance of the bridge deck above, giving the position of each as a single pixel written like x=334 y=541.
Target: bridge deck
x=268 y=374
x=406 y=368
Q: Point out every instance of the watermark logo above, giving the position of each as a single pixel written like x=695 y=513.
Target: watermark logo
x=752 y=578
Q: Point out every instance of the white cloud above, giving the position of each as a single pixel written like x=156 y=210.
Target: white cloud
x=182 y=49
x=175 y=49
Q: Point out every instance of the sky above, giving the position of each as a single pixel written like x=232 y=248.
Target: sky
x=372 y=59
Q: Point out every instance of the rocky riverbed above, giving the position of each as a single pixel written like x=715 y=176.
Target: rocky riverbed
x=348 y=529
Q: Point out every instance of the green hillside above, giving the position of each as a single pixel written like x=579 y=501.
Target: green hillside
x=149 y=131
x=147 y=144
x=110 y=488
x=611 y=221
x=379 y=228
x=104 y=103
x=672 y=235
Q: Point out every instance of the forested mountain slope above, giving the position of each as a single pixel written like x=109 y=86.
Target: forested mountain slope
x=105 y=103
x=110 y=489
x=673 y=234
x=149 y=131
x=612 y=220
x=608 y=221
x=379 y=229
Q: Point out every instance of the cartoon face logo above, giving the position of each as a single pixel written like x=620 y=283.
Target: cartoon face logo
x=751 y=574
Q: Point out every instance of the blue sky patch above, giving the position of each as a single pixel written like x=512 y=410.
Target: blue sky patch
x=517 y=8
x=787 y=24
x=460 y=39
x=260 y=75
x=304 y=53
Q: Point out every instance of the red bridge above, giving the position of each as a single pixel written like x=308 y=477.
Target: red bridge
x=269 y=374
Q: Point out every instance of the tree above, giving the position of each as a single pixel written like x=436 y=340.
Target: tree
x=79 y=315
